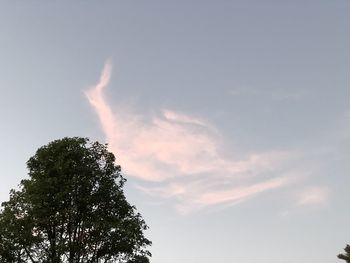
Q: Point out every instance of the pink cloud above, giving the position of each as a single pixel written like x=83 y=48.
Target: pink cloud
x=314 y=196
x=182 y=154
x=195 y=195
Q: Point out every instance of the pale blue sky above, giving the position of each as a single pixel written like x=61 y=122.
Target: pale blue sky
x=231 y=118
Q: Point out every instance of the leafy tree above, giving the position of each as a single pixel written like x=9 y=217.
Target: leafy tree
x=346 y=255
x=72 y=209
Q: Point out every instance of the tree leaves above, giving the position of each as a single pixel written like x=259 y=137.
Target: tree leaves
x=346 y=255
x=72 y=209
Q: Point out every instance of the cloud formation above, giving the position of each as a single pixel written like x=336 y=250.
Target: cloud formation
x=183 y=156
x=313 y=196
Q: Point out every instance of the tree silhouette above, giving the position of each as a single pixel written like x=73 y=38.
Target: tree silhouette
x=72 y=209
x=346 y=255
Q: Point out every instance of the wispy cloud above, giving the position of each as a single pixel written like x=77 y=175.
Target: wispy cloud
x=182 y=155
x=195 y=195
x=313 y=196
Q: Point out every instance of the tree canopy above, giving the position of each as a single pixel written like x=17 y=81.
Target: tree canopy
x=72 y=209
x=346 y=255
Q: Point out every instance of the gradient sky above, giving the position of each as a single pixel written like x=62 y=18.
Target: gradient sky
x=231 y=119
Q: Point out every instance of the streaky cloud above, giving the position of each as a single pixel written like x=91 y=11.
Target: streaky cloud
x=182 y=155
x=314 y=196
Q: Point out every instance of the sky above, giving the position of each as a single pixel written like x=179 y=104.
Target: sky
x=230 y=119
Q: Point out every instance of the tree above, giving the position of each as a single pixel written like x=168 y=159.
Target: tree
x=346 y=255
x=72 y=209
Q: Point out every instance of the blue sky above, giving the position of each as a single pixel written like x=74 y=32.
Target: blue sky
x=230 y=119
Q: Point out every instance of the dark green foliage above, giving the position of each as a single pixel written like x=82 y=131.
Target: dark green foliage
x=72 y=209
x=346 y=255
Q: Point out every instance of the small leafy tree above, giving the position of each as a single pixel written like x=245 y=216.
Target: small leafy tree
x=346 y=255
x=72 y=209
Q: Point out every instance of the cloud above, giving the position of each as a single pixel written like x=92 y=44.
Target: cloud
x=182 y=156
x=313 y=196
x=197 y=195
